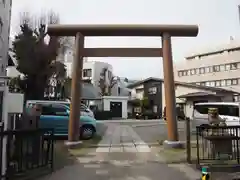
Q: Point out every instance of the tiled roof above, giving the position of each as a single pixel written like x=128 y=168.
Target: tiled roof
x=182 y=84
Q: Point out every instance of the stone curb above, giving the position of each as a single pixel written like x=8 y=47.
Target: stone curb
x=122 y=145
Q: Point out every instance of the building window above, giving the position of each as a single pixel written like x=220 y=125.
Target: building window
x=202 y=70
x=197 y=71
x=227 y=67
x=155 y=109
x=234 y=81
x=223 y=83
x=218 y=83
x=193 y=71
x=222 y=68
x=212 y=83
x=228 y=82
x=119 y=90
x=210 y=69
x=152 y=90
x=216 y=68
x=110 y=75
x=207 y=69
x=137 y=109
x=180 y=73
x=185 y=73
x=87 y=72
x=233 y=66
x=207 y=83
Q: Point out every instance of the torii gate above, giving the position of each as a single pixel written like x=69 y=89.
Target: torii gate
x=165 y=31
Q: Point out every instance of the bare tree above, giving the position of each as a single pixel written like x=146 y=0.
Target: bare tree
x=107 y=82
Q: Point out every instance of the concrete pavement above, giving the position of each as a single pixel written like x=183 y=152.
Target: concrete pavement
x=122 y=138
x=130 y=120
x=122 y=155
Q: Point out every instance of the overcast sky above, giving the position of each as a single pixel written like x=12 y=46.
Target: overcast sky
x=217 y=20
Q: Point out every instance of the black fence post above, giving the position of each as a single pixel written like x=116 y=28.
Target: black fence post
x=27 y=150
x=188 y=140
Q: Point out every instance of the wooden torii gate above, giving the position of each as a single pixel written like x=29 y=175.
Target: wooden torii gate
x=81 y=31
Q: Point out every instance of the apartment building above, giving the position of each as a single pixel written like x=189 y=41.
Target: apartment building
x=214 y=67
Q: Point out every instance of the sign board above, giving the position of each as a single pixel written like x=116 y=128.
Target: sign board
x=15 y=102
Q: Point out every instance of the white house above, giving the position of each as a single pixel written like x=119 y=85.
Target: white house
x=92 y=71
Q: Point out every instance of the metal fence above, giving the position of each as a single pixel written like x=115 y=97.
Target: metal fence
x=218 y=146
x=28 y=153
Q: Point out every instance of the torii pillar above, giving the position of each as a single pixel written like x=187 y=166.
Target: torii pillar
x=165 y=31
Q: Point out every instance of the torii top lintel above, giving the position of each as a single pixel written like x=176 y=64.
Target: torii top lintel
x=123 y=30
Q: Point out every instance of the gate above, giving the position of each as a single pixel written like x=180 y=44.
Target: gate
x=218 y=147
x=28 y=153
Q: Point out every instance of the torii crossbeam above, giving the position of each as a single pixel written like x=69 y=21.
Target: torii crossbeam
x=165 y=31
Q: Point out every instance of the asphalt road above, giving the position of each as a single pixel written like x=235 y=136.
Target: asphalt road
x=149 y=130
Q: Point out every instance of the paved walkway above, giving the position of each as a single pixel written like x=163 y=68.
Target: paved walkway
x=121 y=138
x=122 y=155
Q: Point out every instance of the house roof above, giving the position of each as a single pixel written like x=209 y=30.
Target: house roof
x=182 y=84
x=198 y=94
x=140 y=82
x=89 y=92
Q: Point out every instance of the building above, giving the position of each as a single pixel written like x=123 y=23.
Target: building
x=150 y=89
x=186 y=94
x=214 y=67
x=5 y=17
x=92 y=72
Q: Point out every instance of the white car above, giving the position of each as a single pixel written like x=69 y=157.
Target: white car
x=227 y=110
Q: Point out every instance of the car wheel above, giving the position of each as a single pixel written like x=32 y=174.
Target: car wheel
x=87 y=132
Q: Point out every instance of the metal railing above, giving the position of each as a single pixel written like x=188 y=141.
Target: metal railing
x=218 y=146
x=28 y=152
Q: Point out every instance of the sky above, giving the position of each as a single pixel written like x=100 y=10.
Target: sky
x=217 y=21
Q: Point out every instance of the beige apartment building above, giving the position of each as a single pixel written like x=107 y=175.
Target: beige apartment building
x=214 y=67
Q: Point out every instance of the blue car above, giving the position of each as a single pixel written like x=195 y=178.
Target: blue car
x=57 y=116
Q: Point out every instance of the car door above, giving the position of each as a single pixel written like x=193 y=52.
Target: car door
x=46 y=119
x=61 y=117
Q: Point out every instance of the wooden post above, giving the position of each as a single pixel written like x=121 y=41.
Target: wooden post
x=171 y=114
x=76 y=89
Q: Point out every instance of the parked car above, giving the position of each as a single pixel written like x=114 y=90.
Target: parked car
x=180 y=114
x=227 y=110
x=147 y=114
x=56 y=115
x=85 y=111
